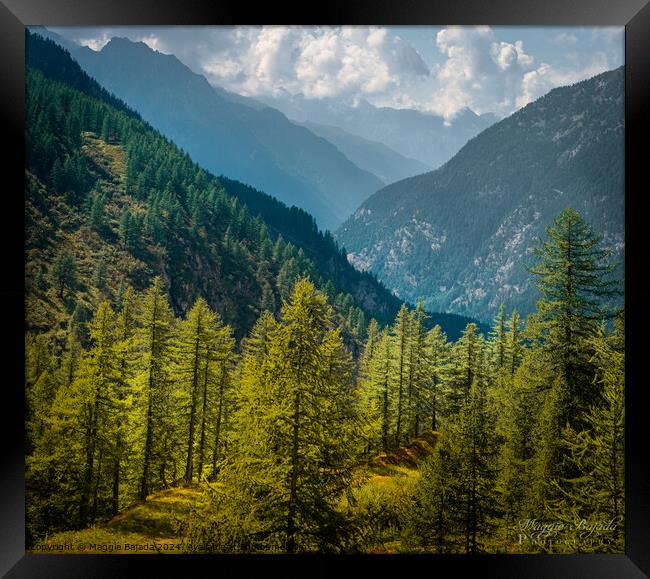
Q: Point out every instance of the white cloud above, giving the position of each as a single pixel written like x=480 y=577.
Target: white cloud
x=95 y=43
x=316 y=61
x=538 y=82
x=480 y=72
x=475 y=67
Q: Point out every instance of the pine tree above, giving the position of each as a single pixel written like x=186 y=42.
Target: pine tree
x=498 y=339
x=294 y=440
x=100 y=275
x=155 y=325
x=97 y=382
x=466 y=357
x=478 y=470
x=125 y=329
x=96 y=216
x=40 y=386
x=438 y=357
x=432 y=522
x=574 y=280
x=514 y=347
x=194 y=340
x=596 y=493
x=371 y=390
x=64 y=272
x=516 y=402
x=401 y=329
x=221 y=357
x=419 y=373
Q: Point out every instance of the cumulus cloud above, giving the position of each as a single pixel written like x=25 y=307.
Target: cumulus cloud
x=480 y=72
x=538 y=82
x=317 y=62
x=474 y=66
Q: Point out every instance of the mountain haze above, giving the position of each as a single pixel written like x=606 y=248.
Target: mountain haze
x=371 y=156
x=460 y=236
x=411 y=133
x=224 y=135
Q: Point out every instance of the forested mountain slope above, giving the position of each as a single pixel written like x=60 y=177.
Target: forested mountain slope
x=460 y=236
x=158 y=359
x=258 y=146
x=126 y=204
x=110 y=203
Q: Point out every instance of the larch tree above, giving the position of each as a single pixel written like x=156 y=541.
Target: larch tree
x=575 y=281
x=381 y=386
x=125 y=328
x=498 y=339
x=438 y=356
x=514 y=344
x=465 y=368
x=432 y=522
x=401 y=331
x=597 y=454
x=294 y=440
x=63 y=272
x=155 y=324
x=478 y=506
x=194 y=340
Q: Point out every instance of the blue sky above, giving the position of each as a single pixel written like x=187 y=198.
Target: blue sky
x=436 y=69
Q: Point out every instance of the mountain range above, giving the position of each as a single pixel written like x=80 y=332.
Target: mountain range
x=426 y=137
x=461 y=236
x=123 y=203
x=260 y=147
x=327 y=159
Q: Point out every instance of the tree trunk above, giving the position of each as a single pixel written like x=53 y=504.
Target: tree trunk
x=384 y=426
x=88 y=477
x=203 y=412
x=291 y=541
x=144 y=480
x=115 y=505
x=219 y=416
x=93 y=514
x=195 y=382
x=398 y=431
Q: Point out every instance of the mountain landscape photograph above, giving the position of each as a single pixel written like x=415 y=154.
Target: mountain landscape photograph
x=318 y=289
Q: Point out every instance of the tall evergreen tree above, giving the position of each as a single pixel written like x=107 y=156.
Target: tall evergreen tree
x=574 y=280
x=401 y=329
x=155 y=321
x=597 y=455
x=64 y=272
x=294 y=440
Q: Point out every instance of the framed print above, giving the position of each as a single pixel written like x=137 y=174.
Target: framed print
x=352 y=286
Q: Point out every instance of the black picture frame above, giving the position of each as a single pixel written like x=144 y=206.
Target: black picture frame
x=16 y=14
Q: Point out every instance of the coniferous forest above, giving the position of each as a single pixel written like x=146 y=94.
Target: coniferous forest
x=197 y=379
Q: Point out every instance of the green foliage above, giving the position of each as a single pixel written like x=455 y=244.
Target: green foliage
x=135 y=384
x=573 y=278
x=595 y=491
x=63 y=273
x=294 y=439
x=96 y=163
